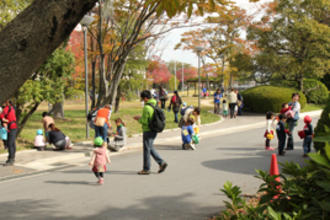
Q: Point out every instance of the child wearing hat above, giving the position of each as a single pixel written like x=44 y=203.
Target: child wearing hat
x=39 y=141
x=308 y=133
x=99 y=159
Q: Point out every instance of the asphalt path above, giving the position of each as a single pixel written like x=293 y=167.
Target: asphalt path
x=188 y=189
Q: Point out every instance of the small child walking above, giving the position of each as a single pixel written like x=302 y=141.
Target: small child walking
x=39 y=140
x=99 y=159
x=224 y=108
x=269 y=133
x=309 y=132
x=187 y=133
x=281 y=134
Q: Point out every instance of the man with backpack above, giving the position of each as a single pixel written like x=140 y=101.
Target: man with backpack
x=152 y=121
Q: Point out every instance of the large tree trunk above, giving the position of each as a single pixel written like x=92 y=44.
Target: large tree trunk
x=28 y=40
x=22 y=122
x=58 y=110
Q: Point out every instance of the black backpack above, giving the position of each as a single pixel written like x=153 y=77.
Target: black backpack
x=157 y=122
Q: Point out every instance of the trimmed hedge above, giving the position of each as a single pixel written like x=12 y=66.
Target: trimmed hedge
x=315 y=91
x=262 y=99
x=323 y=126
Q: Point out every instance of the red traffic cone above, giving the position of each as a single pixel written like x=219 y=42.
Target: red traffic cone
x=274 y=168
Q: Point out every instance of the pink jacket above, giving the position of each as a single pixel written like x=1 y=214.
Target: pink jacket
x=39 y=141
x=100 y=158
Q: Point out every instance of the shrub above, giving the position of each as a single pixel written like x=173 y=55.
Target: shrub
x=303 y=193
x=315 y=91
x=262 y=99
x=326 y=80
x=323 y=126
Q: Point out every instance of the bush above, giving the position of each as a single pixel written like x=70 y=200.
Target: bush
x=303 y=193
x=315 y=91
x=262 y=99
x=323 y=126
x=326 y=80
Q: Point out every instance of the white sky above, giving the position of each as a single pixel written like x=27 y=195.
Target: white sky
x=166 y=46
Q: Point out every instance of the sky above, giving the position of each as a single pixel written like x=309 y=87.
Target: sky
x=165 y=48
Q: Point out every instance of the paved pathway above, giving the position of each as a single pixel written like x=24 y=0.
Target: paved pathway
x=188 y=189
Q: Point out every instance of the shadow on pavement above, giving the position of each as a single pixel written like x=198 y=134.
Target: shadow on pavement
x=158 y=207
x=71 y=182
x=167 y=147
x=108 y=172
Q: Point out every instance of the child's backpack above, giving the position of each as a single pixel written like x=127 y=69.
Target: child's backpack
x=3 y=134
x=157 y=123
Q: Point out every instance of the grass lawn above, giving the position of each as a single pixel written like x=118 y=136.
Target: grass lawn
x=312 y=107
x=74 y=123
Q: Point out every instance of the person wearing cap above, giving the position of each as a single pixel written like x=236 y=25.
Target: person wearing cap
x=39 y=141
x=308 y=133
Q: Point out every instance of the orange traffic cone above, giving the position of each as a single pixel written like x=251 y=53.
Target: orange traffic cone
x=274 y=168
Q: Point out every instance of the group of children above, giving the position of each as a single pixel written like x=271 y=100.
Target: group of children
x=279 y=124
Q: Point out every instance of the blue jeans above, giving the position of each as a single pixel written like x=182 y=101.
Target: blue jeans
x=291 y=125
x=148 y=148
x=176 y=117
x=307 y=144
x=102 y=131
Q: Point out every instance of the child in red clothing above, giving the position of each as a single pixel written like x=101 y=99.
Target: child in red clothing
x=286 y=110
x=99 y=159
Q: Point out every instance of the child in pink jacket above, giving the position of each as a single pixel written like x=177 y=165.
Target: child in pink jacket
x=99 y=159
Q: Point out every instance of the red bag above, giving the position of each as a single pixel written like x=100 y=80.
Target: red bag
x=301 y=134
x=173 y=100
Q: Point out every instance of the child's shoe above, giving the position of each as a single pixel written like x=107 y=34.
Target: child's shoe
x=101 y=181
x=269 y=148
x=192 y=146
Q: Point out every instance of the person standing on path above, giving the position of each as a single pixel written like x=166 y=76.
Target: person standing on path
x=162 y=97
x=148 y=135
x=292 y=122
x=232 y=100
x=175 y=104
x=8 y=116
x=102 y=122
x=217 y=97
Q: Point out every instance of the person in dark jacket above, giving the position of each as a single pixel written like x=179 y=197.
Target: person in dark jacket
x=281 y=134
x=56 y=137
x=175 y=103
x=162 y=97
x=8 y=117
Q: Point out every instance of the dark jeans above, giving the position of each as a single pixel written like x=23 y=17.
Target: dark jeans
x=11 y=144
x=162 y=103
x=307 y=144
x=60 y=145
x=148 y=148
x=232 y=109
x=98 y=174
x=291 y=125
x=102 y=132
x=176 y=120
x=281 y=144
x=267 y=142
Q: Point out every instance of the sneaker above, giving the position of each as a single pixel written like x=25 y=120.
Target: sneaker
x=192 y=146
x=9 y=163
x=269 y=148
x=281 y=154
x=144 y=172
x=101 y=181
x=305 y=155
x=162 y=167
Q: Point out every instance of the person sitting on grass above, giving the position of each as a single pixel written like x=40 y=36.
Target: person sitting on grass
x=57 y=138
x=119 y=136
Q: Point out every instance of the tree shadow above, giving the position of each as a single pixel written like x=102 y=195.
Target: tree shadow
x=110 y=172
x=71 y=182
x=167 y=147
x=157 y=207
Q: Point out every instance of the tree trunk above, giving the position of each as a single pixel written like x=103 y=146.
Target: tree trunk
x=58 y=110
x=118 y=96
x=28 y=40
x=22 y=122
x=301 y=83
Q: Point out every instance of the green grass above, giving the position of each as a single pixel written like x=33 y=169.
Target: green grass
x=312 y=107
x=74 y=124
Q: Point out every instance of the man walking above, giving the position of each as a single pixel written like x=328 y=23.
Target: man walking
x=149 y=135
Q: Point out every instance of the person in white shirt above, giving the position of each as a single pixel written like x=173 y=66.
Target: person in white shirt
x=292 y=122
x=232 y=100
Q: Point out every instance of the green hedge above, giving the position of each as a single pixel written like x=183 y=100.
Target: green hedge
x=262 y=99
x=315 y=91
x=323 y=126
